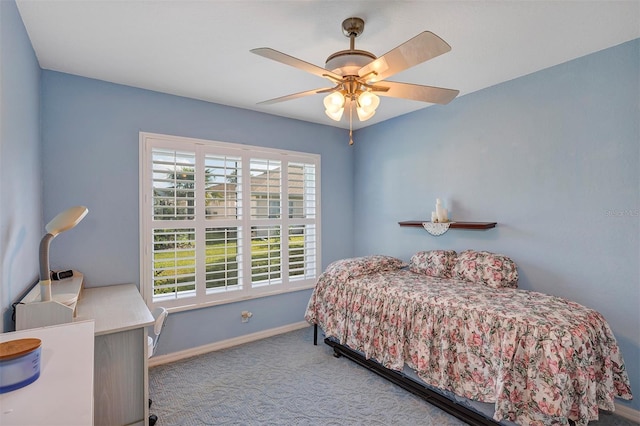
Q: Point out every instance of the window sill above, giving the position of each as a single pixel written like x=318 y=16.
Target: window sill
x=212 y=303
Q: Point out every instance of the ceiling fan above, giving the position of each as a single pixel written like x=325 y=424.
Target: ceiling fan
x=359 y=76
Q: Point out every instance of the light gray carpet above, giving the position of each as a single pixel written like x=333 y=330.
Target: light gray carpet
x=285 y=380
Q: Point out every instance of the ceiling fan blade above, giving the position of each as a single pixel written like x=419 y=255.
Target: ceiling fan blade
x=297 y=95
x=295 y=62
x=422 y=47
x=417 y=92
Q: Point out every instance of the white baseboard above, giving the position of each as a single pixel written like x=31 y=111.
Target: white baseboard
x=628 y=413
x=187 y=353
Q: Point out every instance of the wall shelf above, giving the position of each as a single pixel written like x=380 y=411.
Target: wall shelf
x=452 y=225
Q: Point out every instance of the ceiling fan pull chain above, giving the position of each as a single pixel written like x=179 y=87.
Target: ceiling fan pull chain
x=350 y=123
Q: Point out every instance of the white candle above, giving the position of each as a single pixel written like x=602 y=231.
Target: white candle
x=440 y=211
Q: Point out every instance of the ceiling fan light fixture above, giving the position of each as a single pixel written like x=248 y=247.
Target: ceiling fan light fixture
x=364 y=115
x=353 y=74
x=368 y=100
x=334 y=101
x=367 y=104
x=334 y=104
x=335 y=115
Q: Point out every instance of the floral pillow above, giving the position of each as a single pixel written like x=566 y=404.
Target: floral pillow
x=357 y=266
x=435 y=263
x=493 y=270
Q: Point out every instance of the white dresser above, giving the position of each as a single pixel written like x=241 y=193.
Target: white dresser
x=62 y=395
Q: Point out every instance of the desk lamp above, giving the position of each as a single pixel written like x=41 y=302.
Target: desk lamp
x=62 y=222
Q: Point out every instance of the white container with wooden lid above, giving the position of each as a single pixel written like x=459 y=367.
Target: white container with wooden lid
x=19 y=363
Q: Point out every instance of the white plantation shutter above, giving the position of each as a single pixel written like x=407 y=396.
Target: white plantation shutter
x=266 y=259
x=173 y=185
x=302 y=220
x=222 y=222
x=302 y=251
x=302 y=191
x=174 y=264
x=266 y=186
x=223 y=177
x=224 y=264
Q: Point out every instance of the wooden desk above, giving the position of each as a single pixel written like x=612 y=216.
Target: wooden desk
x=120 y=366
x=62 y=393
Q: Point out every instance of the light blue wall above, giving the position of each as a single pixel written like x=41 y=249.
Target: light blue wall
x=21 y=224
x=548 y=156
x=90 y=146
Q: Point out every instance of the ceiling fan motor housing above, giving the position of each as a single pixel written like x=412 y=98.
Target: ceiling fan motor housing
x=348 y=62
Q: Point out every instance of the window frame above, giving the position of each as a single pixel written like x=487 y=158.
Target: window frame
x=249 y=290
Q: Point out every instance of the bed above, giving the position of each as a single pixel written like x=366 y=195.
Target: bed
x=460 y=325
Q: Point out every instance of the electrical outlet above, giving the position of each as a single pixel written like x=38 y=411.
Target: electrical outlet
x=246 y=315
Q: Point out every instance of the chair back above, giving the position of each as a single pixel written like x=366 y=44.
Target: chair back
x=160 y=314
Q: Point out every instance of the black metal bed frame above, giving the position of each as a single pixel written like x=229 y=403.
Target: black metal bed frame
x=463 y=413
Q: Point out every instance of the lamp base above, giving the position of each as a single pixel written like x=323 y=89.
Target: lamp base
x=45 y=290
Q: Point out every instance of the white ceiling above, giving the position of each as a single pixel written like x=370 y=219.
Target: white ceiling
x=200 y=49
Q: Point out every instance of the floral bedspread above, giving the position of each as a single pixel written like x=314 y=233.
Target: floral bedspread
x=542 y=359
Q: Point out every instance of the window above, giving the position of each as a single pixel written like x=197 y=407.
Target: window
x=222 y=222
